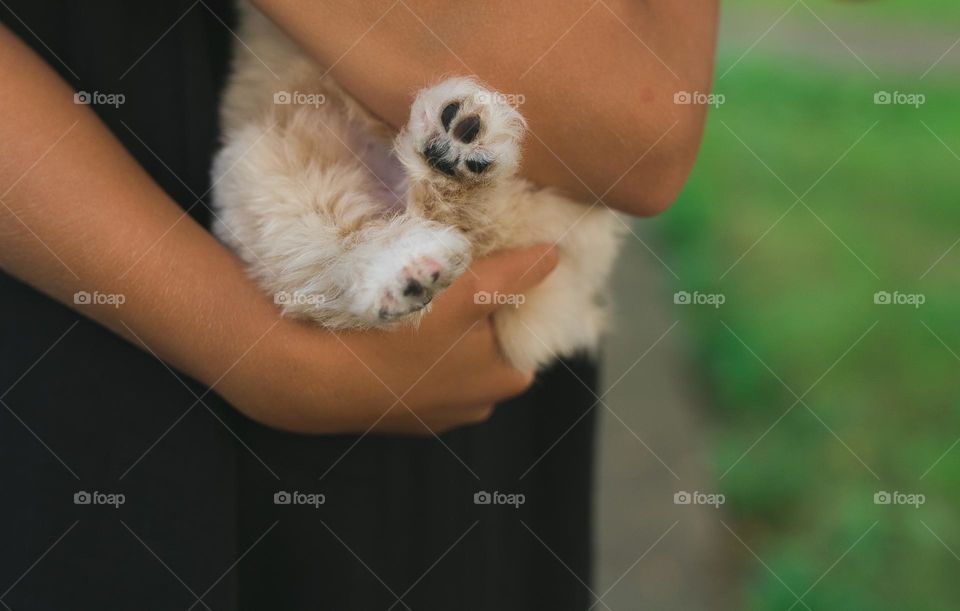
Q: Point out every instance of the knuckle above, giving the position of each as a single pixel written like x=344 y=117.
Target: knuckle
x=440 y=429
x=549 y=259
x=471 y=283
x=479 y=416
x=522 y=381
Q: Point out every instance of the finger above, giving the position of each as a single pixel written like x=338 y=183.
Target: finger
x=478 y=415
x=408 y=427
x=514 y=271
x=468 y=416
x=500 y=380
x=438 y=421
x=499 y=279
x=491 y=377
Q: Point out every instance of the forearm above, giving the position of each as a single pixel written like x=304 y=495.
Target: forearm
x=598 y=95
x=79 y=214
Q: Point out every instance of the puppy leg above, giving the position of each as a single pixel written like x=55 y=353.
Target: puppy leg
x=566 y=313
x=462 y=141
x=392 y=270
x=326 y=240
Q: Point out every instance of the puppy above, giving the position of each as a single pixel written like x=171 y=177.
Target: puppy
x=351 y=231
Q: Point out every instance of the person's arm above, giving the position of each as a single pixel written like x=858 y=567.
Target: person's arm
x=597 y=78
x=78 y=214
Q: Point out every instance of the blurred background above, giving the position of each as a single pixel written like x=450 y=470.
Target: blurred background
x=780 y=419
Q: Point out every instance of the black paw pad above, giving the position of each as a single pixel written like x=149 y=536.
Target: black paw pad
x=446 y=117
x=413 y=289
x=467 y=130
x=478 y=166
x=435 y=152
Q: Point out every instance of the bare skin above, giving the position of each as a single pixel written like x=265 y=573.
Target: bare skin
x=79 y=214
x=597 y=78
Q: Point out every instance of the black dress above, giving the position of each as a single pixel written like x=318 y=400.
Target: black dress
x=202 y=523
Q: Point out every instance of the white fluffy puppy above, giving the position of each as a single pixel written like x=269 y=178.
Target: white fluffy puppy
x=351 y=232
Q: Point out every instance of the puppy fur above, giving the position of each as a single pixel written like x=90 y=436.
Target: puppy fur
x=353 y=226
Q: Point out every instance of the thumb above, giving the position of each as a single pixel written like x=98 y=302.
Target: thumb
x=510 y=273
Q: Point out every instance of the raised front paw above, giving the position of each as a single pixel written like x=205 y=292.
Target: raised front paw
x=462 y=131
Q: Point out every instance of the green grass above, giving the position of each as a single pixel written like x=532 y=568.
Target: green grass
x=930 y=11
x=799 y=299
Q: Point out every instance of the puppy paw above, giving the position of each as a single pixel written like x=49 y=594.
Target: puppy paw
x=406 y=277
x=413 y=288
x=461 y=131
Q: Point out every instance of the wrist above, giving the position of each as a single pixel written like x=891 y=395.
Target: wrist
x=293 y=379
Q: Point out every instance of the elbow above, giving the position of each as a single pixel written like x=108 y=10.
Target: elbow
x=654 y=183
x=648 y=194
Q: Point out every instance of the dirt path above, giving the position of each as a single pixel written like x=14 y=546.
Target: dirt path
x=843 y=37
x=656 y=414
x=656 y=554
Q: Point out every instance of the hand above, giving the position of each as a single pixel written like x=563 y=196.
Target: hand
x=447 y=373
x=592 y=139
x=190 y=302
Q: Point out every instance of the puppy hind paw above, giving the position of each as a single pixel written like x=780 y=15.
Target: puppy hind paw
x=404 y=280
x=412 y=289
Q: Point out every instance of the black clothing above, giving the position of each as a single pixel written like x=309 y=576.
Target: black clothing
x=199 y=518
